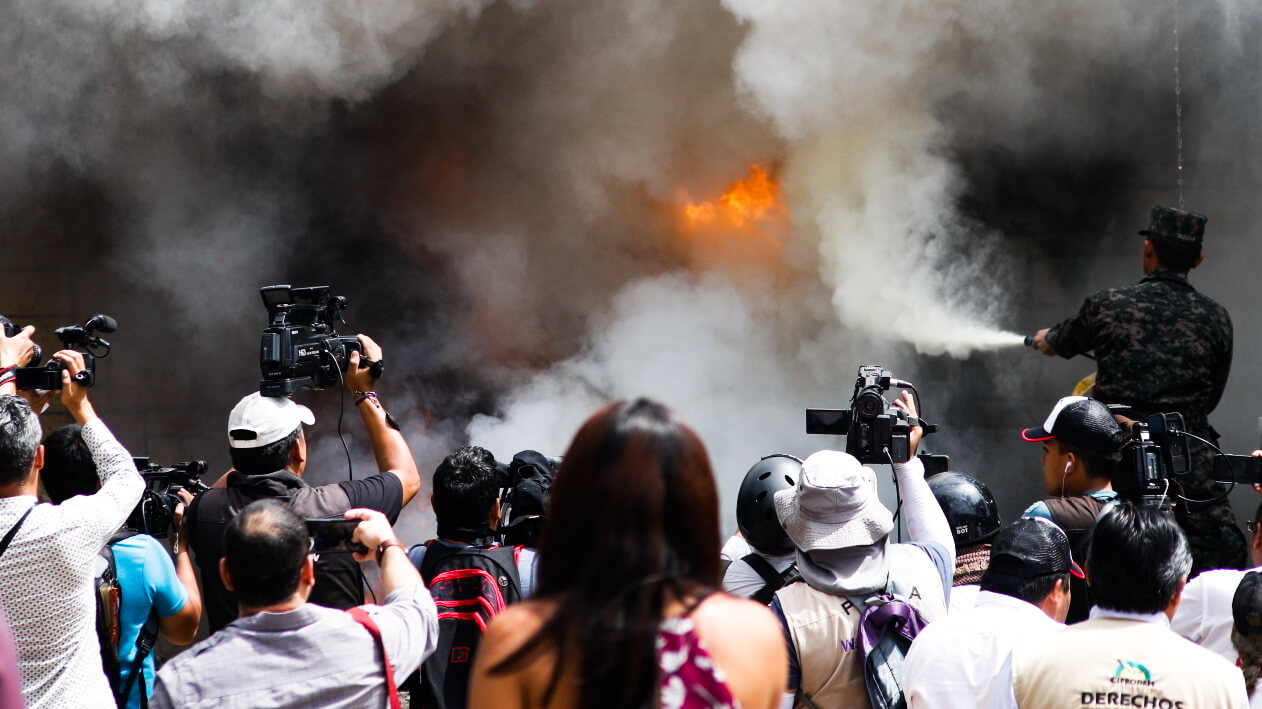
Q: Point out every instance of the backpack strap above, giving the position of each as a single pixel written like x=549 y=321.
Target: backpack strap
x=8 y=537
x=145 y=641
x=362 y=617
x=772 y=580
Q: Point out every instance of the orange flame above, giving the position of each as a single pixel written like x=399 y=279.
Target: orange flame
x=747 y=201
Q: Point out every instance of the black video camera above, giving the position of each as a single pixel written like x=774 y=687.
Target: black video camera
x=155 y=513
x=1157 y=451
x=301 y=348
x=73 y=337
x=876 y=431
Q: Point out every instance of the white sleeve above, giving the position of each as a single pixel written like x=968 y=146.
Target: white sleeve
x=409 y=627
x=104 y=511
x=925 y=520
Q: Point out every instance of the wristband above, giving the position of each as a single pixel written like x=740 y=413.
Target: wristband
x=381 y=550
x=7 y=377
x=6 y=370
x=362 y=396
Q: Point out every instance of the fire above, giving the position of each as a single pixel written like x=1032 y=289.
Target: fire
x=745 y=203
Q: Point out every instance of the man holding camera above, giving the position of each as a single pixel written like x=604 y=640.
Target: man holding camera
x=841 y=531
x=1082 y=443
x=269 y=455
x=155 y=594
x=285 y=651
x=1162 y=347
x=47 y=551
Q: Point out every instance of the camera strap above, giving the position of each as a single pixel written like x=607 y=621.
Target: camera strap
x=8 y=537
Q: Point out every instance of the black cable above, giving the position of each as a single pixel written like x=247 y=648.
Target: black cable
x=898 y=495
x=341 y=408
x=1230 y=486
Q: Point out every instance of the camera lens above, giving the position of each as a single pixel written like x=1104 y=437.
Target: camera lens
x=870 y=404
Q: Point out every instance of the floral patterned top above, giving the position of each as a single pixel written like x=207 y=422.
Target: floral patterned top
x=690 y=677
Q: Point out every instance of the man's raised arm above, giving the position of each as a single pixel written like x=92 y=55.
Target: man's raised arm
x=388 y=445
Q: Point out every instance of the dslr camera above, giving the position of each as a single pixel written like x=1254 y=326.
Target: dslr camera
x=876 y=431
x=83 y=338
x=301 y=348
x=155 y=513
x=1157 y=450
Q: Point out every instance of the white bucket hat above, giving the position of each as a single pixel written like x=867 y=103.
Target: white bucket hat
x=834 y=505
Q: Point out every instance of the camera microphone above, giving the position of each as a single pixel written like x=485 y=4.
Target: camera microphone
x=101 y=322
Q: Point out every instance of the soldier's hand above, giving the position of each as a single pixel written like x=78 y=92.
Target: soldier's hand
x=1039 y=343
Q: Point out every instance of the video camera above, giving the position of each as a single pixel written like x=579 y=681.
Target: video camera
x=73 y=337
x=876 y=431
x=155 y=513
x=301 y=348
x=1156 y=451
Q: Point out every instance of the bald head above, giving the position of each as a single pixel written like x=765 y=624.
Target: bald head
x=264 y=550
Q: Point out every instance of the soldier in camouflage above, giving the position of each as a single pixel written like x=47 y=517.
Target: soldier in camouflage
x=1163 y=347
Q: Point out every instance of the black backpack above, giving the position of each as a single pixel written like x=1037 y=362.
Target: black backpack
x=525 y=500
x=471 y=585
x=109 y=601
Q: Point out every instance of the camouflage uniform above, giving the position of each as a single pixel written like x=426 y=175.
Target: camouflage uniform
x=1162 y=347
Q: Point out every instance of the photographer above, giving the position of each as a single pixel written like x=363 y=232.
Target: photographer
x=269 y=455
x=841 y=531
x=153 y=590
x=285 y=651
x=47 y=551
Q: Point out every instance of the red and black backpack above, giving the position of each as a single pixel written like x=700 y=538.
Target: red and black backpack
x=470 y=585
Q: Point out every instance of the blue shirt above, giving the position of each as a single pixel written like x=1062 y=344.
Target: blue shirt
x=149 y=584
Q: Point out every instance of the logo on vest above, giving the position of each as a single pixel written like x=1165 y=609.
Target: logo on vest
x=1132 y=673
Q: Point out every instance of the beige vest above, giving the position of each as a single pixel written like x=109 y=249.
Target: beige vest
x=825 y=628
x=1108 y=662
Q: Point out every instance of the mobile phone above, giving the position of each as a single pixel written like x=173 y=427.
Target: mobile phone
x=1230 y=468
x=330 y=536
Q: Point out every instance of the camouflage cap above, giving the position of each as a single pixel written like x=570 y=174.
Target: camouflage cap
x=1176 y=225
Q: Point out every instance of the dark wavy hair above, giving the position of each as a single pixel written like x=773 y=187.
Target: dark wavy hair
x=633 y=524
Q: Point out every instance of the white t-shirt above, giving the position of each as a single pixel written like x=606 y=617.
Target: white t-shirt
x=963 y=598
x=954 y=661
x=743 y=581
x=1204 y=614
x=735 y=548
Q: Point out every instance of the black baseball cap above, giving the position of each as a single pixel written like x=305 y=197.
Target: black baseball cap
x=1082 y=424
x=1031 y=547
x=1246 y=605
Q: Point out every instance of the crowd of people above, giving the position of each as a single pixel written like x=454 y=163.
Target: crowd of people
x=601 y=579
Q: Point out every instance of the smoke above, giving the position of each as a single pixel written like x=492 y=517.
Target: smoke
x=498 y=187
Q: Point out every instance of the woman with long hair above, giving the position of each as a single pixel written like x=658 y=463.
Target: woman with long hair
x=625 y=614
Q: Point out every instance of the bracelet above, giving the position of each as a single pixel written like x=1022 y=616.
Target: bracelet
x=7 y=377
x=362 y=396
x=6 y=370
x=381 y=550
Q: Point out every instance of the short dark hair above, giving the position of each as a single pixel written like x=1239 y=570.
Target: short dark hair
x=264 y=548
x=264 y=459
x=1096 y=465
x=1136 y=559
x=1032 y=590
x=1174 y=255
x=68 y=466
x=465 y=488
x=19 y=438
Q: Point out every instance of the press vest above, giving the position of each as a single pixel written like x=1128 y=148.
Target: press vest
x=1108 y=662
x=825 y=628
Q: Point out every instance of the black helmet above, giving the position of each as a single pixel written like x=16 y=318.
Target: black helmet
x=755 y=508
x=969 y=507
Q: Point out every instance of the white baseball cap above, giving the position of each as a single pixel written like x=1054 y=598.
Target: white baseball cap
x=257 y=420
